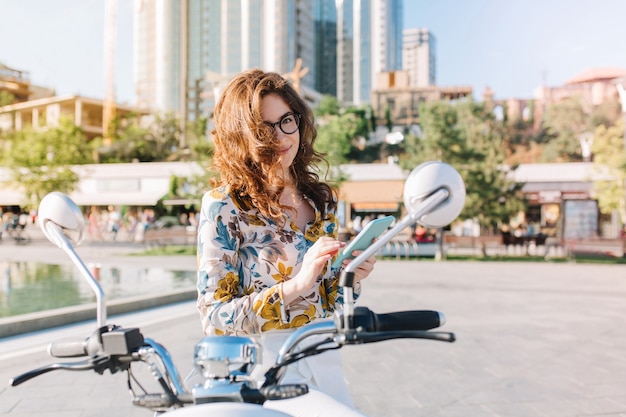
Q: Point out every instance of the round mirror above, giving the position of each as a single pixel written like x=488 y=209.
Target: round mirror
x=59 y=209
x=425 y=180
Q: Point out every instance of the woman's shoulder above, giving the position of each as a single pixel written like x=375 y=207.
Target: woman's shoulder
x=217 y=194
x=224 y=199
x=217 y=200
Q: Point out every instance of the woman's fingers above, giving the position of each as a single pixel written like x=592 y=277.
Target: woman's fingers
x=365 y=268
x=327 y=245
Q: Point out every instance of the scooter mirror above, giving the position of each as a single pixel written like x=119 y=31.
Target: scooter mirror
x=57 y=208
x=424 y=181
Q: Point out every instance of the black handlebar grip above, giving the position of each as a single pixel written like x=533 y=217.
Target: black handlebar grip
x=68 y=348
x=282 y=392
x=398 y=321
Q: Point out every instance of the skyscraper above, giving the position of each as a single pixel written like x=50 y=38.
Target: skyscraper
x=185 y=50
x=345 y=50
x=325 y=67
x=418 y=57
x=157 y=54
x=369 y=41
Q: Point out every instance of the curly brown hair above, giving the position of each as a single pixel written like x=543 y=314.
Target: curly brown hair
x=246 y=148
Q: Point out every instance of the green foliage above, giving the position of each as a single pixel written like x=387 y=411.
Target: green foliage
x=328 y=106
x=467 y=136
x=6 y=98
x=201 y=150
x=134 y=139
x=388 y=120
x=334 y=137
x=567 y=121
x=608 y=151
x=40 y=160
x=339 y=132
x=343 y=132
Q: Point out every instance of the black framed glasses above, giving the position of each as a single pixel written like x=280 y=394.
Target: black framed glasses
x=288 y=124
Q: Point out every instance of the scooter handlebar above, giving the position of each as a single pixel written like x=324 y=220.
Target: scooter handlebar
x=369 y=321
x=68 y=348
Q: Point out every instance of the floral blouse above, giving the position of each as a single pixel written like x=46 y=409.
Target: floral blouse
x=244 y=257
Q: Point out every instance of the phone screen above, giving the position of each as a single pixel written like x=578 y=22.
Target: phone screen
x=364 y=239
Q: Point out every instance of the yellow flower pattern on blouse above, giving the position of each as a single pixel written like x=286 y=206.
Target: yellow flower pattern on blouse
x=283 y=272
x=226 y=287
x=243 y=259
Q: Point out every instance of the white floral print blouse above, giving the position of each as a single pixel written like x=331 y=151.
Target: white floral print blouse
x=243 y=257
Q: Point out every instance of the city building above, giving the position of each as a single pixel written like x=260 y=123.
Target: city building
x=345 y=50
x=561 y=200
x=44 y=113
x=185 y=51
x=369 y=41
x=419 y=57
x=159 y=61
x=128 y=184
x=560 y=196
x=393 y=92
x=591 y=87
x=370 y=190
x=17 y=83
x=325 y=71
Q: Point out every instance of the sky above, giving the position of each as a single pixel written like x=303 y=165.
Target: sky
x=511 y=46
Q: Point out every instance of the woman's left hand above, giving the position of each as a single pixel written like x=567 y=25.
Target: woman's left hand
x=363 y=270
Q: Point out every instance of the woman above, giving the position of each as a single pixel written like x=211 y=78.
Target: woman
x=267 y=235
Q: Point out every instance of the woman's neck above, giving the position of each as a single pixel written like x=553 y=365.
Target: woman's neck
x=290 y=196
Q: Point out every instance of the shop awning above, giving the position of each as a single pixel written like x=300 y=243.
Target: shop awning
x=11 y=197
x=143 y=198
x=376 y=207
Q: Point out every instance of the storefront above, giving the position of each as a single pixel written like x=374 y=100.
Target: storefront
x=129 y=184
x=371 y=190
x=561 y=203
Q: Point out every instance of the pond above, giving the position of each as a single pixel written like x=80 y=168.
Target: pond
x=27 y=287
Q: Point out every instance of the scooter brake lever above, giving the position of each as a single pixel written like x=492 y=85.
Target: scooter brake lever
x=85 y=365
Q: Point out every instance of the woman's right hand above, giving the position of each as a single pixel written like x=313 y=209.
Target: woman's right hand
x=314 y=261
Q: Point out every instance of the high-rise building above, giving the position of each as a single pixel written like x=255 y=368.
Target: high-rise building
x=185 y=50
x=345 y=50
x=369 y=41
x=362 y=52
x=158 y=56
x=386 y=29
x=419 y=57
x=325 y=15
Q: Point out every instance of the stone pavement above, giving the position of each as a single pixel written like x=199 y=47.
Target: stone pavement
x=533 y=339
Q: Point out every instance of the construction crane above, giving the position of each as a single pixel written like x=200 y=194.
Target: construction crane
x=297 y=74
x=110 y=34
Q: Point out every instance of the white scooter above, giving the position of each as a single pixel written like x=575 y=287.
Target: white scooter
x=434 y=195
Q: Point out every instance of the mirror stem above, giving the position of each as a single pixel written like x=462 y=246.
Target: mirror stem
x=414 y=216
x=61 y=241
x=347 y=275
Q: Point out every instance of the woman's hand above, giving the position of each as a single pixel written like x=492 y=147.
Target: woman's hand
x=313 y=263
x=363 y=270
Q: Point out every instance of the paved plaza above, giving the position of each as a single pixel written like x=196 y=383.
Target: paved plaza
x=533 y=339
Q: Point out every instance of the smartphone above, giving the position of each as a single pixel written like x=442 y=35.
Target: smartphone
x=364 y=239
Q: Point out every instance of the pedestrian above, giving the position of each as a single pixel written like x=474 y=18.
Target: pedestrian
x=267 y=236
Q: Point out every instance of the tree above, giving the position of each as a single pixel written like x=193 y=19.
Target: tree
x=565 y=122
x=609 y=153
x=40 y=160
x=467 y=136
x=568 y=120
x=136 y=139
x=6 y=98
x=328 y=106
x=340 y=132
x=334 y=137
